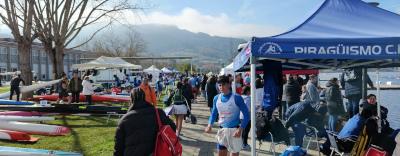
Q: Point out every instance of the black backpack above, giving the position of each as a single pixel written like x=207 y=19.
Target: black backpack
x=263 y=125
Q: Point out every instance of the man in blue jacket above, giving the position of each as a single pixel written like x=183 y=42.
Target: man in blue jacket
x=305 y=111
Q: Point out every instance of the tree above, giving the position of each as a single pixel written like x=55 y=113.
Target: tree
x=58 y=23
x=18 y=16
x=125 y=44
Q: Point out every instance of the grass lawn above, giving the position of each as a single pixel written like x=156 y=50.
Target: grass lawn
x=4 y=89
x=91 y=136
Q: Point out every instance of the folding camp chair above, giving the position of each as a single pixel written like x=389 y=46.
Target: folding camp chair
x=273 y=143
x=333 y=139
x=312 y=132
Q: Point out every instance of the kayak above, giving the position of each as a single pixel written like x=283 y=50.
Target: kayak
x=25 y=118
x=13 y=102
x=25 y=89
x=32 y=128
x=56 y=110
x=15 y=151
x=22 y=113
x=16 y=136
x=82 y=98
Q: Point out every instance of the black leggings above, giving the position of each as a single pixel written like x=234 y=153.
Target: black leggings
x=16 y=90
x=89 y=99
x=245 y=133
x=75 y=97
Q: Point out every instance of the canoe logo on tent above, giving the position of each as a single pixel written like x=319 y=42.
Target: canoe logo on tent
x=270 y=48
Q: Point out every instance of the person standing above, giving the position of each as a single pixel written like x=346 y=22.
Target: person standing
x=88 y=89
x=117 y=81
x=140 y=120
x=247 y=100
x=14 y=87
x=203 y=86
x=75 y=87
x=211 y=91
x=179 y=108
x=334 y=101
x=187 y=92
x=228 y=106
x=312 y=93
x=63 y=89
x=149 y=91
x=351 y=81
x=292 y=91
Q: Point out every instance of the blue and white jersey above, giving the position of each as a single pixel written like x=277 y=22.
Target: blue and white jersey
x=229 y=107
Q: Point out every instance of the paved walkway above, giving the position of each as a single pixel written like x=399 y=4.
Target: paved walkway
x=197 y=143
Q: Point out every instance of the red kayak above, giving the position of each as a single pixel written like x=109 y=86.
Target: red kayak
x=16 y=136
x=82 y=98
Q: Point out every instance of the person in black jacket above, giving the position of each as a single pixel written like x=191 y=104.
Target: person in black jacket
x=351 y=81
x=137 y=130
x=15 y=81
x=334 y=101
x=188 y=94
x=211 y=91
x=292 y=91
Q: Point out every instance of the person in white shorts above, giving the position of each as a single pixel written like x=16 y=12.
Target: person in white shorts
x=228 y=106
x=179 y=106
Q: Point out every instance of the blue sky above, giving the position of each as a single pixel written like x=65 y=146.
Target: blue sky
x=231 y=18
x=266 y=17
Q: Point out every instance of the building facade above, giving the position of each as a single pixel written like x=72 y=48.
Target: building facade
x=40 y=61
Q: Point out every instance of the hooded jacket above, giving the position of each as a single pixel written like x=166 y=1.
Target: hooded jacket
x=334 y=99
x=352 y=83
x=137 y=130
x=292 y=92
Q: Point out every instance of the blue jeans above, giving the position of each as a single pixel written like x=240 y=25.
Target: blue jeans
x=299 y=131
x=332 y=122
x=353 y=106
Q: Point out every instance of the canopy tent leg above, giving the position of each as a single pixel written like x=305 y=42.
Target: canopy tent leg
x=378 y=89
x=253 y=106
x=364 y=84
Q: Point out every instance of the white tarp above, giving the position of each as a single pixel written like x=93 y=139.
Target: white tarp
x=166 y=70
x=104 y=62
x=153 y=70
x=227 y=70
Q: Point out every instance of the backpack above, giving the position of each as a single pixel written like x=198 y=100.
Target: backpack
x=263 y=125
x=167 y=143
x=178 y=97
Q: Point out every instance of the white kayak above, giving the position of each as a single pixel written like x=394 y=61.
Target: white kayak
x=33 y=128
x=25 y=118
x=15 y=151
x=17 y=136
x=30 y=88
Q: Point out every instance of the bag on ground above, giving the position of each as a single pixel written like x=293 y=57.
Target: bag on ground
x=294 y=151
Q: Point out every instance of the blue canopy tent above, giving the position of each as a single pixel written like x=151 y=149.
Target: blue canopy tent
x=340 y=34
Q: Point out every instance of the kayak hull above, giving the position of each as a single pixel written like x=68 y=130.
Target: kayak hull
x=82 y=98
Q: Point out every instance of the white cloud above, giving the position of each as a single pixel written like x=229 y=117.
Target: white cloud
x=220 y=25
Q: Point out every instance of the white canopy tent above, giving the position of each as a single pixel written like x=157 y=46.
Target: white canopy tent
x=227 y=70
x=153 y=70
x=166 y=70
x=104 y=62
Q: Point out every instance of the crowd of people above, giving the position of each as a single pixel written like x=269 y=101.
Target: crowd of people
x=303 y=104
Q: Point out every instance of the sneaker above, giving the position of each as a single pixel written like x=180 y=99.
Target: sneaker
x=246 y=147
